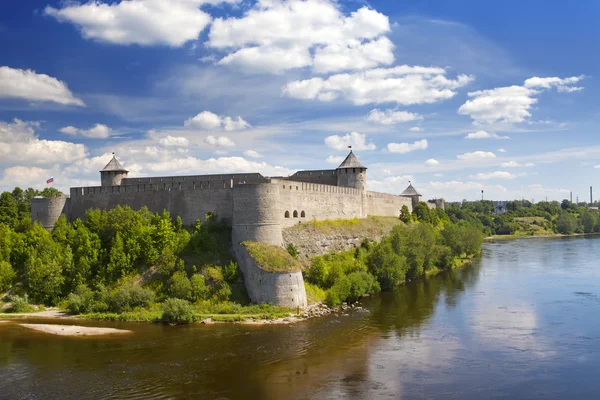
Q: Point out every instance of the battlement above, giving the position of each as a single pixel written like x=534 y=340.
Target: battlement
x=289 y=185
x=152 y=187
x=252 y=178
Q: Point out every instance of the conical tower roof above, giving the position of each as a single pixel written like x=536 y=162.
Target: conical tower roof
x=351 y=161
x=114 y=166
x=410 y=191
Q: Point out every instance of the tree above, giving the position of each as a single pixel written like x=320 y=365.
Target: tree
x=7 y=275
x=566 y=223
x=405 y=215
x=422 y=213
x=589 y=220
x=180 y=286
x=388 y=267
x=9 y=212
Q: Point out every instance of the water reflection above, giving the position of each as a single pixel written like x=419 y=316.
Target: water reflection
x=514 y=325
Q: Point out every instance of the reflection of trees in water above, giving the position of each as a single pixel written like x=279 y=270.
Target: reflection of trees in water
x=413 y=303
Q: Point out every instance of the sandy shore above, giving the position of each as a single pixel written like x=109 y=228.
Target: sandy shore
x=73 y=330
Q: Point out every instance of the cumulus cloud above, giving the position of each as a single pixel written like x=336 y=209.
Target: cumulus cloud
x=210 y=121
x=416 y=129
x=337 y=160
x=221 y=141
x=98 y=131
x=174 y=141
x=495 y=175
x=404 y=148
x=431 y=162
x=279 y=35
x=403 y=85
x=391 y=117
x=597 y=166
x=515 y=164
x=458 y=190
x=484 y=135
x=252 y=154
x=476 y=155
x=501 y=150
x=143 y=22
x=512 y=104
x=20 y=144
x=29 y=85
x=390 y=184
x=358 y=141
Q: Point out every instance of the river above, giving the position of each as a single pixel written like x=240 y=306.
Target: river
x=523 y=322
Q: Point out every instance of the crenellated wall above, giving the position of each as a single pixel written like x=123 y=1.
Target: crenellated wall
x=320 y=176
x=188 y=200
x=386 y=205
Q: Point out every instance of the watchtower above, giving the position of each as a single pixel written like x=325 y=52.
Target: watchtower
x=351 y=173
x=411 y=192
x=113 y=173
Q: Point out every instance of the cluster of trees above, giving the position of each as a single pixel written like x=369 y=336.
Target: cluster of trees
x=16 y=205
x=408 y=253
x=115 y=261
x=526 y=218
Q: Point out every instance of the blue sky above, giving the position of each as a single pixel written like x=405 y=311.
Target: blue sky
x=458 y=96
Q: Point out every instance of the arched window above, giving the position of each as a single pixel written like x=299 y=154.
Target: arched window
x=295 y=214
x=303 y=214
x=287 y=214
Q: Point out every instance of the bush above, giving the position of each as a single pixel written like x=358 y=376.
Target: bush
x=292 y=250
x=20 y=304
x=128 y=296
x=81 y=301
x=180 y=286
x=177 y=311
x=230 y=272
x=7 y=276
x=199 y=290
x=339 y=292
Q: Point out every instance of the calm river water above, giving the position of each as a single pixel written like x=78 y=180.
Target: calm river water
x=521 y=323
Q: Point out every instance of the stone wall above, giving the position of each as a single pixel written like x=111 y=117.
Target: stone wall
x=257 y=214
x=321 y=176
x=301 y=201
x=386 y=205
x=237 y=179
x=190 y=200
x=283 y=289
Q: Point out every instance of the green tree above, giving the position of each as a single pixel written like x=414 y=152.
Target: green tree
x=566 y=223
x=388 y=267
x=589 y=220
x=9 y=212
x=405 y=215
x=180 y=286
x=7 y=276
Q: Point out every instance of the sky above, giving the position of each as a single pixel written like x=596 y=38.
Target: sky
x=457 y=97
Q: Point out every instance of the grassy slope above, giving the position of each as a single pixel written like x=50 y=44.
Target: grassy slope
x=365 y=226
x=272 y=258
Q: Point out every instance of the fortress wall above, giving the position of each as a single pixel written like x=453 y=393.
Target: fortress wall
x=190 y=202
x=324 y=177
x=256 y=214
x=254 y=178
x=318 y=202
x=386 y=205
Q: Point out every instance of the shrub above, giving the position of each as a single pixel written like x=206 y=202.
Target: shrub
x=361 y=283
x=20 y=304
x=81 y=301
x=128 y=296
x=180 y=286
x=292 y=250
x=338 y=292
x=199 y=291
x=230 y=272
x=7 y=276
x=177 y=311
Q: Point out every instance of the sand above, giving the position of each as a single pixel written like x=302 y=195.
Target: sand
x=73 y=330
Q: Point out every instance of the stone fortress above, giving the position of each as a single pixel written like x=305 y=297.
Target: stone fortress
x=256 y=207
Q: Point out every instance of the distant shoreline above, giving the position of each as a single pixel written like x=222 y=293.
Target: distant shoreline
x=556 y=235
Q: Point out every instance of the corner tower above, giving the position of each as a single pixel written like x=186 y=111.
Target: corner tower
x=412 y=193
x=113 y=173
x=351 y=173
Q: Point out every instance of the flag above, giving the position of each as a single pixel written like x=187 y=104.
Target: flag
x=50 y=180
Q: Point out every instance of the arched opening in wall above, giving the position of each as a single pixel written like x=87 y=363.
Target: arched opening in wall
x=287 y=214
x=295 y=214
x=302 y=214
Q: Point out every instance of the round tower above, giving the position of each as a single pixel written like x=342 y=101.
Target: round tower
x=351 y=173
x=47 y=210
x=113 y=173
x=256 y=214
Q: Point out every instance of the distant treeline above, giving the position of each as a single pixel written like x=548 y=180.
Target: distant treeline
x=525 y=218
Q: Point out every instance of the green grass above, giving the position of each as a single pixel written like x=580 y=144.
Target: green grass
x=272 y=258
x=365 y=226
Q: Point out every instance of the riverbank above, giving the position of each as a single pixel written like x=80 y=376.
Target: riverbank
x=556 y=235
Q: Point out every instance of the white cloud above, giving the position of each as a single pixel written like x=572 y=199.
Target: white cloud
x=20 y=144
x=277 y=35
x=98 y=131
x=401 y=85
x=501 y=150
x=416 y=129
x=174 y=141
x=515 y=164
x=335 y=159
x=484 y=135
x=512 y=104
x=476 y=155
x=390 y=184
x=597 y=166
x=357 y=140
x=144 y=22
x=438 y=175
x=29 y=85
x=253 y=154
x=432 y=162
x=495 y=175
x=458 y=190
x=403 y=148
x=210 y=121
x=390 y=117
x=221 y=141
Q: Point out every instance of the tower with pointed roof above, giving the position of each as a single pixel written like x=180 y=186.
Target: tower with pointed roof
x=113 y=173
x=352 y=173
x=411 y=192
